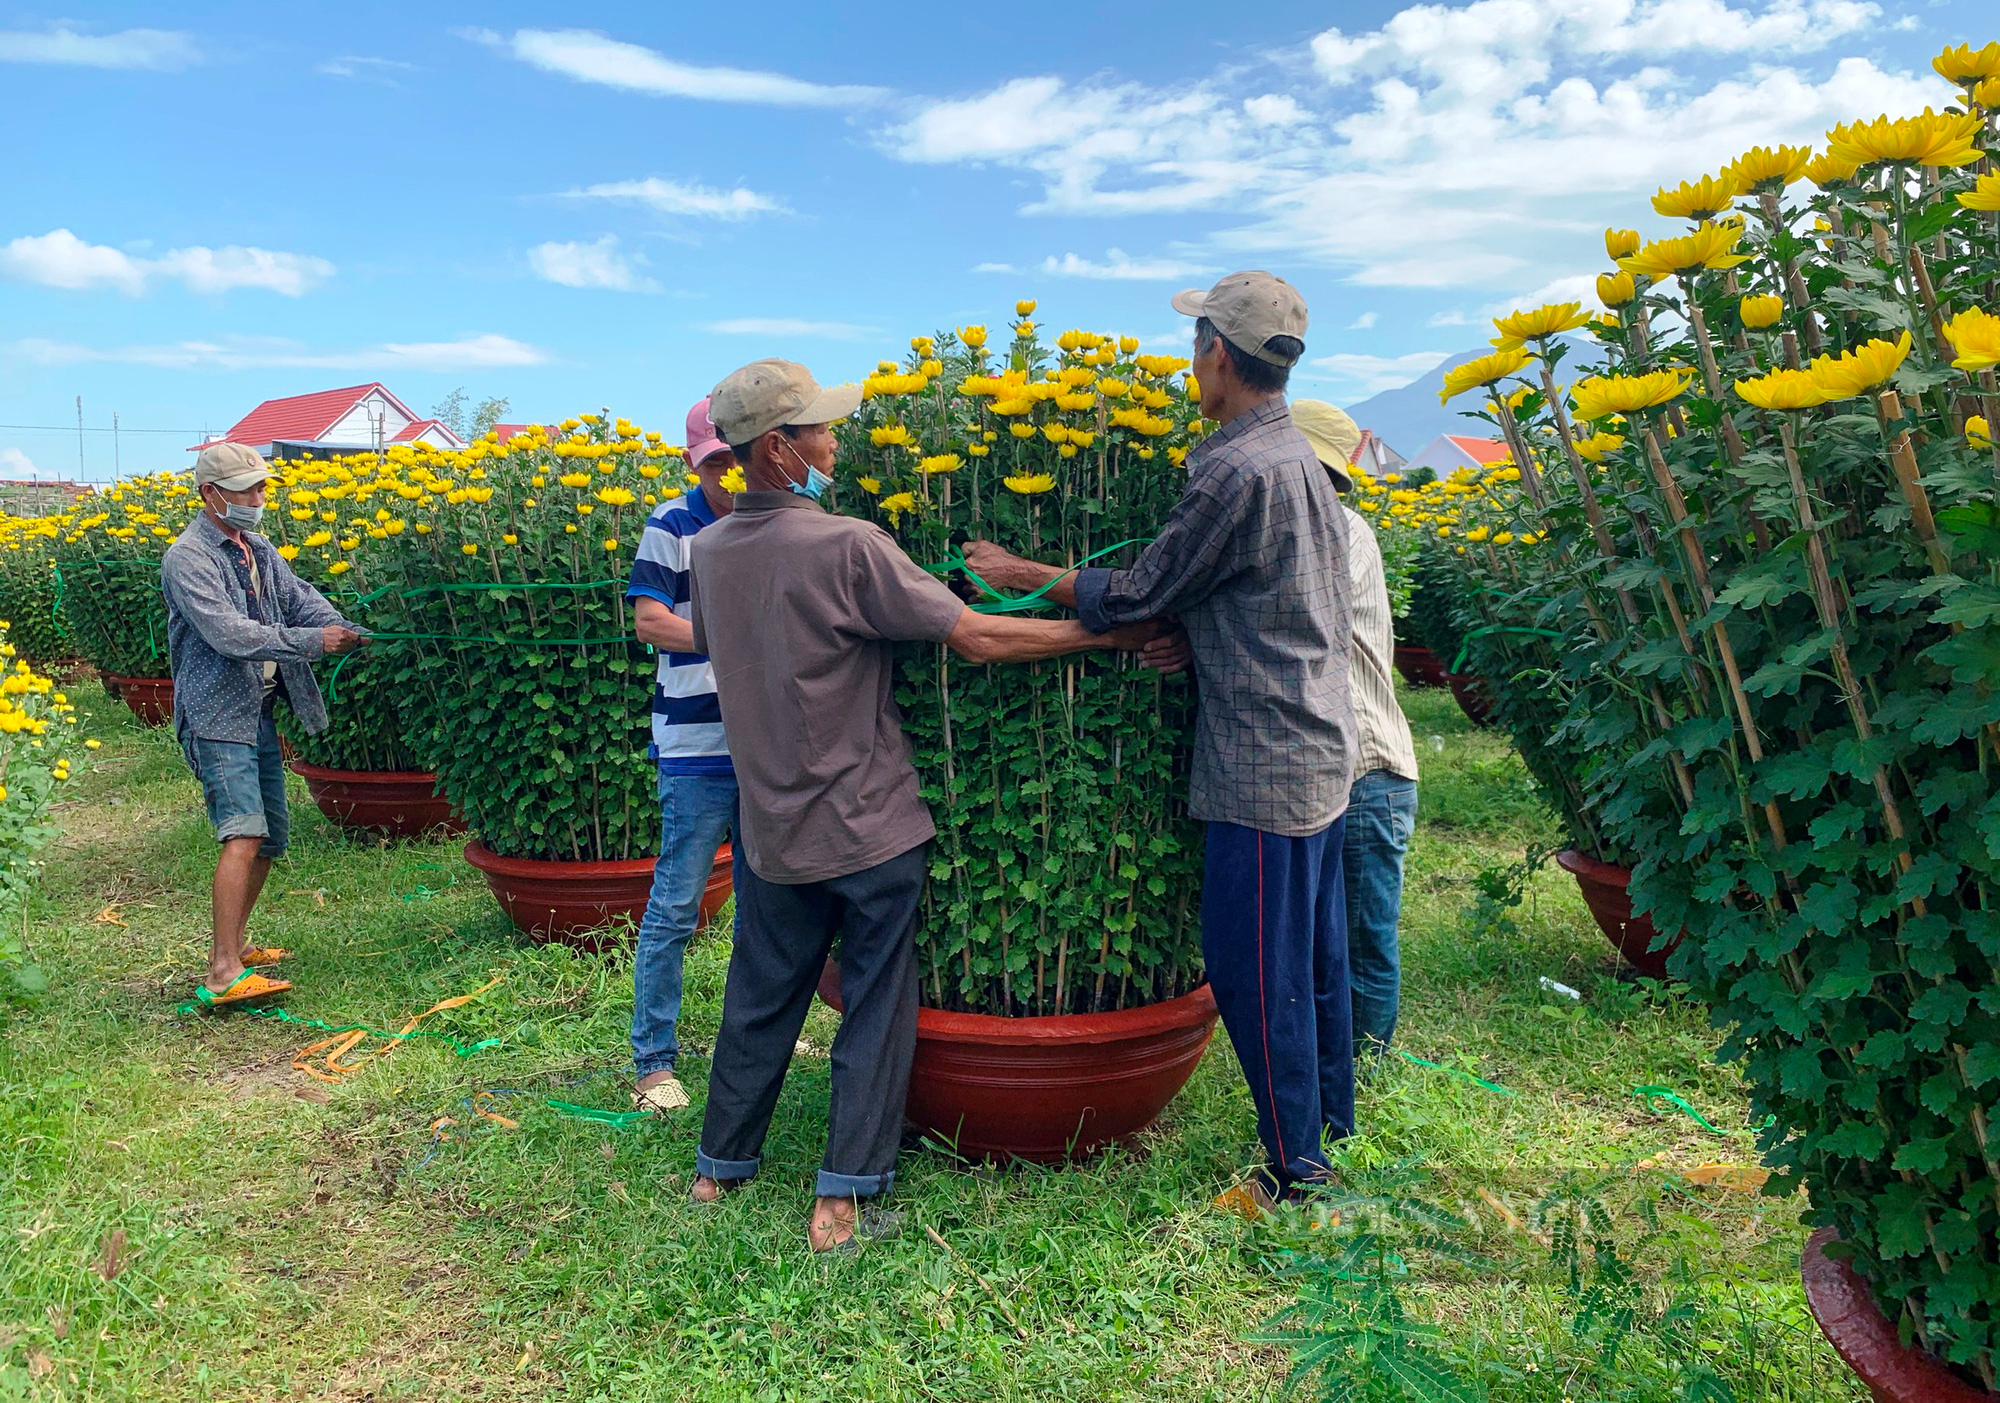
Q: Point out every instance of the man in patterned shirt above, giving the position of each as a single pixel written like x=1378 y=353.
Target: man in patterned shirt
x=697 y=781
x=1253 y=561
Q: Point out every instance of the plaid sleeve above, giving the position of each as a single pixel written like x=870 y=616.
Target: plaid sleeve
x=660 y=570
x=1188 y=559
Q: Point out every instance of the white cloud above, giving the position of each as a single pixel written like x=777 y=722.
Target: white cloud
x=790 y=326
x=484 y=352
x=1476 y=146
x=15 y=463
x=598 y=264
x=1118 y=267
x=676 y=197
x=993 y=268
x=60 y=259
x=1362 y=322
x=1367 y=375
x=365 y=69
x=590 y=57
x=165 y=49
x=1574 y=287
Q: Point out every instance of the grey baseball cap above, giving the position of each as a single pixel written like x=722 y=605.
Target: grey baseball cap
x=231 y=466
x=768 y=394
x=1249 y=309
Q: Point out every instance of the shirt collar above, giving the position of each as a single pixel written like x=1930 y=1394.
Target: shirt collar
x=698 y=507
x=1271 y=409
x=757 y=502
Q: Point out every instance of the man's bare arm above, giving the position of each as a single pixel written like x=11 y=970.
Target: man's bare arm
x=1005 y=570
x=995 y=638
x=654 y=623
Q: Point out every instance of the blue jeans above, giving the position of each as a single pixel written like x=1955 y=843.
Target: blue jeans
x=1381 y=816
x=1274 y=939
x=244 y=787
x=696 y=813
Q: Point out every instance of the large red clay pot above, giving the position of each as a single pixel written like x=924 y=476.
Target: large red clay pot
x=1866 y=1339
x=1472 y=696
x=1605 y=888
x=393 y=803
x=1419 y=665
x=1048 y=1089
x=151 y=698
x=572 y=902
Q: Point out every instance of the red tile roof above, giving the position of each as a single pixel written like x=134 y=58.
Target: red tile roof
x=503 y=432
x=1479 y=450
x=303 y=418
x=414 y=428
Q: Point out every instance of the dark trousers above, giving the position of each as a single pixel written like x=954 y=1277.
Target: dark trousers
x=783 y=934
x=1274 y=938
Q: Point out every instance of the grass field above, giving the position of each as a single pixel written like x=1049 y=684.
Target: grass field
x=187 y=1217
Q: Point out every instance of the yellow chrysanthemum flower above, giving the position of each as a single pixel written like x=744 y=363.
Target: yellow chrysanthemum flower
x=1975 y=336
x=890 y=435
x=1860 y=370
x=1978 y=435
x=1518 y=328
x=1967 y=66
x=511 y=539
x=1987 y=94
x=898 y=503
x=1985 y=193
x=611 y=543
x=1616 y=289
x=1620 y=243
x=1593 y=449
x=1932 y=139
x=1486 y=370
x=615 y=497
x=1601 y=396
x=468 y=549
x=1783 y=389
x=1760 y=310
x=871 y=485
x=1710 y=246
x=575 y=479
x=732 y=481
x=1030 y=484
x=1699 y=200
x=972 y=337
x=289 y=552
x=1775 y=166
x=319 y=538
x=940 y=463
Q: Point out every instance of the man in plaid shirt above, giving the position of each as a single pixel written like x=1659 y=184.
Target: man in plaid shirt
x=1253 y=562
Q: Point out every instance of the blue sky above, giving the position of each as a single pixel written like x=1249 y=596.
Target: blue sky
x=583 y=205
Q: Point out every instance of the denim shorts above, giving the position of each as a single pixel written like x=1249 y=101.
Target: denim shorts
x=244 y=787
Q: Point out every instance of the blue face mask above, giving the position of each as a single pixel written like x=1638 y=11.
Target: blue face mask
x=241 y=517
x=816 y=481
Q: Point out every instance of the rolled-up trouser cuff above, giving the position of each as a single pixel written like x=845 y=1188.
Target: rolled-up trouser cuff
x=833 y=1185
x=724 y=1168
x=243 y=826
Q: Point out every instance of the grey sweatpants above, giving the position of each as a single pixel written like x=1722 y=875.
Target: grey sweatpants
x=783 y=934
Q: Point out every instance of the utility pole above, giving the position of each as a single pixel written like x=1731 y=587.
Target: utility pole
x=117 y=463
x=80 y=469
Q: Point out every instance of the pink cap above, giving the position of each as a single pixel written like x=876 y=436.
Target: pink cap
x=702 y=440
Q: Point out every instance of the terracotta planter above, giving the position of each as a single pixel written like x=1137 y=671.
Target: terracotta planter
x=151 y=698
x=1866 y=1339
x=572 y=902
x=1048 y=1090
x=1473 y=700
x=1419 y=665
x=1604 y=886
x=393 y=803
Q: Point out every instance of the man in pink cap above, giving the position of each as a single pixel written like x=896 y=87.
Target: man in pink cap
x=697 y=780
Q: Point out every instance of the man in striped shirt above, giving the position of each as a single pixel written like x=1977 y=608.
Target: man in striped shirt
x=697 y=780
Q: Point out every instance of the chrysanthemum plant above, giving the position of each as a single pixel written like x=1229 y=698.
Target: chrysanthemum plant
x=1067 y=875
x=38 y=745
x=1763 y=621
x=496 y=576
x=107 y=564
x=28 y=597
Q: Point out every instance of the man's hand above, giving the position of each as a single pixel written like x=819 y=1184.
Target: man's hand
x=1169 y=653
x=339 y=638
x=1002 y=569
x=1133 y=638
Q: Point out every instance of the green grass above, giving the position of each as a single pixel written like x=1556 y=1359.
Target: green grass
x=284 y=1237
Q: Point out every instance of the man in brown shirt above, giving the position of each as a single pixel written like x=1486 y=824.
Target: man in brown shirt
x=799 y=612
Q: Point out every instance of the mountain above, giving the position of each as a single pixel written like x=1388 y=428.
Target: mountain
x=1407 y=419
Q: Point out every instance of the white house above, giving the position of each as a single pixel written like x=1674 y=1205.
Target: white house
x=336 y=421
x=1375 y=457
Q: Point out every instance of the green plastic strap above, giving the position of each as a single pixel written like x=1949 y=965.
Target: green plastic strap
x=422 y=892
x=480 y=585
x=1662 y=1099
x=281 y=1016
x=998 y=603
x=621 y=1120
x=1466 y=647
x=1439 y=1066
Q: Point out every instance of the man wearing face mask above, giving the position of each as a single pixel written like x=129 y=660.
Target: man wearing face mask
x=799 y=612
x=242 y=629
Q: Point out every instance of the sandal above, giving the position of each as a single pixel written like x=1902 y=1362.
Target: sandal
x=664 y=1095
x=265 y=955
x=871 y=1224
x=248 y=986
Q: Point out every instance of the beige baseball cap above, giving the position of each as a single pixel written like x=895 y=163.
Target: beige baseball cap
x=1249 y=309
x=768 y=394
x=230 y=466
x=1333 y=435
